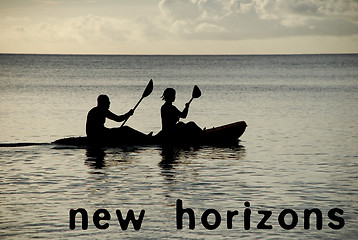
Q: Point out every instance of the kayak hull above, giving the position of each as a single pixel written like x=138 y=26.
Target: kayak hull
x=224 y=135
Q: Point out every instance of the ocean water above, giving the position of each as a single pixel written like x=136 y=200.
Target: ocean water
x=299 y=151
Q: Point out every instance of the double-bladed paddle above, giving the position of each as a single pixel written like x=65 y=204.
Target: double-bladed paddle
x=148 y=90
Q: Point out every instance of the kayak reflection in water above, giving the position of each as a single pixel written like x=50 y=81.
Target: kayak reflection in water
x=96 y=118
x=171 y=127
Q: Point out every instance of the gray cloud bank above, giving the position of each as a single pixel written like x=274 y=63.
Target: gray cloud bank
x=177 y=22
x=244 y=19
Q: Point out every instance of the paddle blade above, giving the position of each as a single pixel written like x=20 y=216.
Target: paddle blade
x=196 y=92
x=148 y=90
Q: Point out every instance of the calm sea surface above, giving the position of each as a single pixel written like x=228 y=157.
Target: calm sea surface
x=299 y=151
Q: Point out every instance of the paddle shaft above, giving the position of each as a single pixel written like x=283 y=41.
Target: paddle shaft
x=133 y=110
x=190 y=100
x=148 y=90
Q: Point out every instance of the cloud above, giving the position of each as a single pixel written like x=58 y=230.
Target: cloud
x=244 y=19
x=176 y=26
x=78 y=31
x=198 y=20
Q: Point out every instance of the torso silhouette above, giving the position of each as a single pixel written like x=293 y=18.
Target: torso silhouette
x=96 y=119
x=170 y=116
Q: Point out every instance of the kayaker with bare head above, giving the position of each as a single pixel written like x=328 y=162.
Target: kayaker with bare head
x=171 y=127
x=169 y=113
x=96 y=118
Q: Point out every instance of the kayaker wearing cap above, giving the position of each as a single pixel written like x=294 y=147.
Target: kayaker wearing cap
x=96 y=118
x=171 y=127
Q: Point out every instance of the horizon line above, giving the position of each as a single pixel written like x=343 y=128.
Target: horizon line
x=179 y=54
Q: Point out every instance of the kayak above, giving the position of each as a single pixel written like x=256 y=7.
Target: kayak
x=224 y=135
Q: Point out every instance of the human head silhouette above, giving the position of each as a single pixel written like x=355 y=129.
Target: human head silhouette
x=103 y=101
x=169 y=95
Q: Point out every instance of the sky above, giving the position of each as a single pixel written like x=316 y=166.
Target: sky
x=179 y=26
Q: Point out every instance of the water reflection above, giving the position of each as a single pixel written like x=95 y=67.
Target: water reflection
x=173 y=158
x=95 y=158
x=237 y=152
x=169 y=156
x=98 y=158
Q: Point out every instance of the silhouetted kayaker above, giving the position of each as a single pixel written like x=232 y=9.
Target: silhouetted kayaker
x=171 y=127
x=96 y=118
